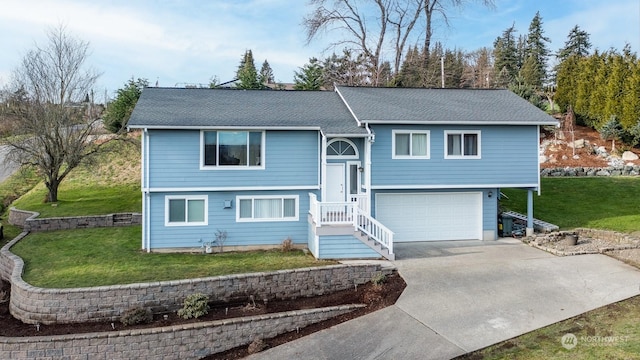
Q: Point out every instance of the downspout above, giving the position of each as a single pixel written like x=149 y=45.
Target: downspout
x=147 y=201
x=367 y=165
x=323 y=168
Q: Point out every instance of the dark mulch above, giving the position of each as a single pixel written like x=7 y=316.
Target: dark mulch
x=375 y=297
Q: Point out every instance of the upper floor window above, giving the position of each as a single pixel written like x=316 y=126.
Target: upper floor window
x=462 y=144
x=410 y=144
x=341 y=148
x=239 y=149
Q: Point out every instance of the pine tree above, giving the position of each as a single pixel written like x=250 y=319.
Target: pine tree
x=536 y=48
x=611 y=130
x=506 y=59
x=266 y=73
x=577 y=44
x=247 y=74
x=310 y=76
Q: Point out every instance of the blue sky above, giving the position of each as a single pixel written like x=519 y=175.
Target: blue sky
x=178 y=42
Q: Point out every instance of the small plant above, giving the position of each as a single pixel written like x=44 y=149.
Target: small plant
x=136 y=316
x=378 y=279
x=194 y=306
x=221 y=237
x=256 y=346
x=287 y=245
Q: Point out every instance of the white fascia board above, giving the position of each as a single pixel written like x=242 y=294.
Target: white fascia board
x=181 y=127
x=444 y=186
x=347 y=135
x=237 y=188
x=454 y=123
x=348 y=107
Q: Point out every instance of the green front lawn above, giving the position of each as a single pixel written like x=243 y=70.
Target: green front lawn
x=77 y=198
x=603 y=203
x=109 y=256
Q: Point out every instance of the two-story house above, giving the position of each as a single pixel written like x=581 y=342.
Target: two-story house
x=345 y=173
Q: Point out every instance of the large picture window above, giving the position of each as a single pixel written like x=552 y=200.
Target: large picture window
x=232 y=149
x=410 y=144
x=267 y=208
x=462 y=144
x=185 y=210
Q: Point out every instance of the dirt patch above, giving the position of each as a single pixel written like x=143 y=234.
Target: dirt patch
x=375 y=297
x=560 y=154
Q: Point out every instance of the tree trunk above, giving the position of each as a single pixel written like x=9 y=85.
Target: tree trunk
x=52 y=186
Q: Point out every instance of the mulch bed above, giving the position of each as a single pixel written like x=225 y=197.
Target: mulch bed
x=374 y=296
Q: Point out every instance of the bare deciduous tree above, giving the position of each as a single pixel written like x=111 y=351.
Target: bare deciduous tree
x=53 y=122
x=368 y=24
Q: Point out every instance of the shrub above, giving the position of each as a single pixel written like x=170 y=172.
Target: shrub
x=287 y=245
x=256 y=346
x=379 y=279
x=136 y=316
x=194 y=306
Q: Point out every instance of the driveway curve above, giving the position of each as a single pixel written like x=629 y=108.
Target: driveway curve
x=462 y=296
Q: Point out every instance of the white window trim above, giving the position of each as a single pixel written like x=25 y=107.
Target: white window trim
x=263 y=155
x=259 y=197
x=186 y=198
x=410 y=132
x=346 y=157
x=462 y=133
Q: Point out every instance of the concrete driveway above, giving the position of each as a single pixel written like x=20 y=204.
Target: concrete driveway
x=465 y=295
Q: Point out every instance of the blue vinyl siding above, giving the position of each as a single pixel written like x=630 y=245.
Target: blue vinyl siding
x=344 y=247
x=239 y=233
x=291 y=159
x=509 y=155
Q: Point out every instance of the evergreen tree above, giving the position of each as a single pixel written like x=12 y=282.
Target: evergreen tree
x=506 y=59
x=266 y=73
x=611 y=130
x=577 y=44
x=526 y=91
x=537 y=50
x=119 y=111
x=247 y=74
x=310 y=76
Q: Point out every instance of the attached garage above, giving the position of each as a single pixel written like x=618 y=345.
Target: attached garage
x=431 y=216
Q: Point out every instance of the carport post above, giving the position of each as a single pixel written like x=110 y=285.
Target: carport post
x=529 y=212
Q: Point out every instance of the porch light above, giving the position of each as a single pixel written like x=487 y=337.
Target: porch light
x=490 y=194
x=360 y=168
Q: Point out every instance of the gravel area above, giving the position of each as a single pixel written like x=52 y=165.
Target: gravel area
x=617 y=245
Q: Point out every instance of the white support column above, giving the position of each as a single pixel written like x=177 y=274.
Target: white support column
x=529 y=212
x=323 y=168
x=367 y=168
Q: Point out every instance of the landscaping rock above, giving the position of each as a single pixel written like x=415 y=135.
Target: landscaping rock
x=629 y=156
x=578 y=144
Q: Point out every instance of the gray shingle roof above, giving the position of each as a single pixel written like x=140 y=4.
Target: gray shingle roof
x=198 y=108
x=448 y=106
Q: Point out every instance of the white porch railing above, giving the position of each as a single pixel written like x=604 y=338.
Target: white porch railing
x=374 y=229
x=361 y=200
x=350 y=213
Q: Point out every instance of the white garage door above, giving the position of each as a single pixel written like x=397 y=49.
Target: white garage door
x=431 y=217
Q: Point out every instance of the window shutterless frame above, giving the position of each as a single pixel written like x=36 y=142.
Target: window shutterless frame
x=410 y=144
x=232 y=150
x=186 y=210
x=263 y=208
x=462 y=144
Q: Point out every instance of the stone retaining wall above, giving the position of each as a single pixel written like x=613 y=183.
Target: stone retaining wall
x=35 y=305
x=180 y=342
x=627 y=170
x=28 y=221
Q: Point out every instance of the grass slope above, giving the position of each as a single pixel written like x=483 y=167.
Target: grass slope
x=610 y=203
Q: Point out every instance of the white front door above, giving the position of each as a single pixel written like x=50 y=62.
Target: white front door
x=335 y=187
